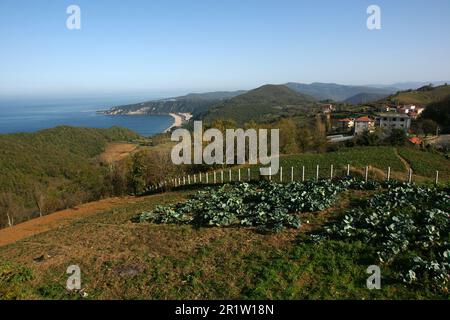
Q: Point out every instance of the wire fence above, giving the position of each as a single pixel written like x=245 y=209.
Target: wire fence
x=284 y=175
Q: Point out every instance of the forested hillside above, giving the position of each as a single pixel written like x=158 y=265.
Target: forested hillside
x=52 y=169
x=194 y=103
x=267 y=103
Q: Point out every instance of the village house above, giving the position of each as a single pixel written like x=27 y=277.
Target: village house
x=391 y=121
x=346 y=123
x=411 y=110
x=385 y=108
x=362 y=124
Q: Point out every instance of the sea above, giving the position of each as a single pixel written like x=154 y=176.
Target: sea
x=30 y=115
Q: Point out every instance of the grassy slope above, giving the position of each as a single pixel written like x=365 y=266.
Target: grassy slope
x=359 y=157
x=123 y=260
x=421 y=97
x=426 y=163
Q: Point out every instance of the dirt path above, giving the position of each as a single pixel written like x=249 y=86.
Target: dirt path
x=405 y=163
x=57 y=219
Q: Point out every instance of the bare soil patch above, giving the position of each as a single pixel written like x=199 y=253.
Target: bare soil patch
x=117 y=151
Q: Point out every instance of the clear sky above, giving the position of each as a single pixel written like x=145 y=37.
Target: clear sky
x=200 y=45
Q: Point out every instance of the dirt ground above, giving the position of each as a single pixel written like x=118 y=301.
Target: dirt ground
x=58 y=219
x=117 y=151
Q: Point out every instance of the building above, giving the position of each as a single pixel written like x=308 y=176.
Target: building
x=412 y=110
x=346 y=123
x=385 y=108
x=363 y=124
x=416 y=140
x=391 y=121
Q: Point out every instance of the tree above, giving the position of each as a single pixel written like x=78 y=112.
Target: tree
x=136 y=178
x=288 y=134
x=397 y=137
x=304 y=139
x=429 y=126
x=39 y=198
x=320 y=137
x=439 y=112
x=8 y=207
x=367 y=139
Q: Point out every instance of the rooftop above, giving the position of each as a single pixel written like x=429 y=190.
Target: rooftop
x=345 y=120
x=364 y=119
x=393 y=115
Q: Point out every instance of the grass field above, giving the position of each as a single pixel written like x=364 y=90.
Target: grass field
x=426 y=163
x=421 y=97
x=358 y=157
x=120 y=259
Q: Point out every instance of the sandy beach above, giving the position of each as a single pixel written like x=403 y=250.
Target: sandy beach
x=177 y=123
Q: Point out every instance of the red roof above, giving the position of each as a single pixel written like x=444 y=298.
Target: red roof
x=345 y=120
x=415 y=140
x=364 y=119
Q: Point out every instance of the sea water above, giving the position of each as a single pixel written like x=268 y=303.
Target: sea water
x=26 y=115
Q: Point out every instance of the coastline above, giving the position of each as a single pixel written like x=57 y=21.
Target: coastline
x=178 y=121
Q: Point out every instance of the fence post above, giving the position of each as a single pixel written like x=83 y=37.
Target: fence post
x=200 y=177
x=389 y=174
x=331 y=172
x=189 y=179
x=270 y=173
x=195 y=179
x=249 y=174
x=366 y=174
x=348 y=169
x=303 y=174
x=215 y=177
x=207 y=176
x=230 y=175
x=221 y=176
x=437 y=177
x=410 y=176
x=184 y=180
x=239 y=175
x=292 y=174
x=281 y=174
x=179 y=181
x=317 y=173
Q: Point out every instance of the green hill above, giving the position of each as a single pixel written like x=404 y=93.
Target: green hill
x=263 y=104
x=422 y=96
x=363 y=98
x=338 y=92
x=59 y=163
x=194 y=103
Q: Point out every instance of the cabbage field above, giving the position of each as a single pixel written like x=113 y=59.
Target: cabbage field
x=407 y=224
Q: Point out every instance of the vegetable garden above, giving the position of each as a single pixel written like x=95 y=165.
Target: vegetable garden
x=408 y=225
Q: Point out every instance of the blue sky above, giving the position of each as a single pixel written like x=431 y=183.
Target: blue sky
x=179 y=46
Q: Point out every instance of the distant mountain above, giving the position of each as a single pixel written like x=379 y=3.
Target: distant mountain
x=262 y=104
x=401 y=86
x=422 y=96
x=194 y=103
x=362 y=98
x=336 y=92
